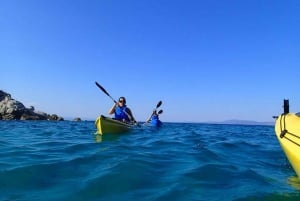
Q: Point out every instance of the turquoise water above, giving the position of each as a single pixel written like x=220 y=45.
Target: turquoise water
x=41 y=160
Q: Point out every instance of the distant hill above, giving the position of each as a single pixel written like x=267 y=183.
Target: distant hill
x=244 y=122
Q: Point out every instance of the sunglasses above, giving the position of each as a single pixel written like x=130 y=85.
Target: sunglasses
x=121 y=101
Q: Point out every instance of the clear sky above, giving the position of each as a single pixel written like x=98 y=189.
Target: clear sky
x=207 y=60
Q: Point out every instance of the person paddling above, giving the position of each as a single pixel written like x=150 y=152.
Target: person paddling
x=154 y=119
x=121 y=111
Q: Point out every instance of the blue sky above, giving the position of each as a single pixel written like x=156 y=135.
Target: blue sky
x=207 y=60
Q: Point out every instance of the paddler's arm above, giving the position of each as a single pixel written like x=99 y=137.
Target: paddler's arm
x=128 y=111
x=113 y=108
x=149 y=119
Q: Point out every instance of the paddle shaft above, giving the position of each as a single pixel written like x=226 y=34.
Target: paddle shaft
x=104 y=91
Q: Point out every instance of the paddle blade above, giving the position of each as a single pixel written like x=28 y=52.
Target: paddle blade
x=158 y=104
x=160 y=111
x=98 y=85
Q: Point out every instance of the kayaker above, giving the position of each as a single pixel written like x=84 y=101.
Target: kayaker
x=121 y=111
x=154 y=119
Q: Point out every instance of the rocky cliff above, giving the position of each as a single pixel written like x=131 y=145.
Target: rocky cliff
x=11 y=109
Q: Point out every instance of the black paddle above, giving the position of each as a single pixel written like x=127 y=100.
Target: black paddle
x=158 y=104
x=98 y=85
x=160 y=111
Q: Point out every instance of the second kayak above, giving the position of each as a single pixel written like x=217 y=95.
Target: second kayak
x=155 y=122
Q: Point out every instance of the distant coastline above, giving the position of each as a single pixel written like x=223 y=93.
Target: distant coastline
x=229 y=122
x=243 y=122
x=11 y=109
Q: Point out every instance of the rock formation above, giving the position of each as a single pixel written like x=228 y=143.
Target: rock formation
x=77 y=119
x=11 y=109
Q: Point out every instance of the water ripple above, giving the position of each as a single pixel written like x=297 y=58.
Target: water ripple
x=66 y=161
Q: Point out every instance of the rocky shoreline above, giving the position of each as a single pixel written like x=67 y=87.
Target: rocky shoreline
x=11 y=109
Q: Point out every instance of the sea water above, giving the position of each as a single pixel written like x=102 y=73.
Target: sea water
x=46 y=160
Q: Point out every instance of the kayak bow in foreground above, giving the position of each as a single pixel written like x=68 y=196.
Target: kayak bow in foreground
x=108 y=125
x=287 y=128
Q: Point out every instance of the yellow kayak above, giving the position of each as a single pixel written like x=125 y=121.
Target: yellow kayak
x=287 y=128
x=108 y=125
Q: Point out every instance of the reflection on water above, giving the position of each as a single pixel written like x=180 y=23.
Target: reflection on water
x=294 y=181
x=106 y=137
x=98 y=138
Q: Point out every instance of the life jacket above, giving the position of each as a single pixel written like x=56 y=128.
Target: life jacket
x=120 y=113
x=155 y=120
